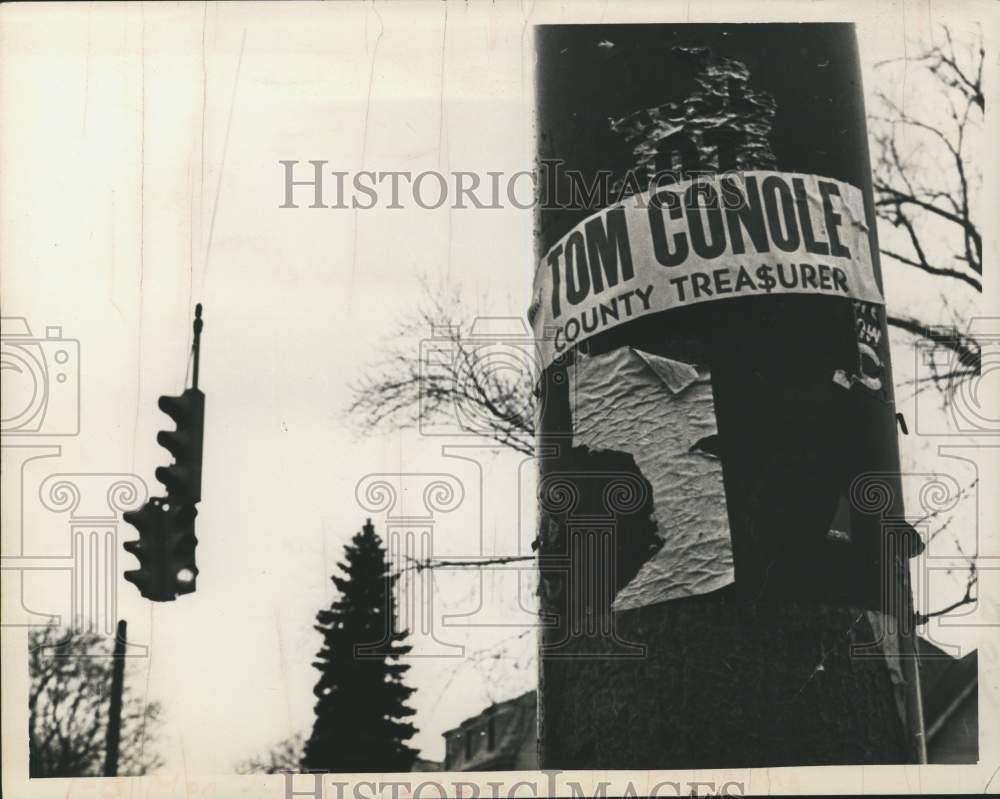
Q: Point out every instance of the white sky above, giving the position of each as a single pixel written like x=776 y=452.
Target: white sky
x=140 y=175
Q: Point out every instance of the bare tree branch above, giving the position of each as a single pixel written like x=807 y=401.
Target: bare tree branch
x=70 y=680
x=967 y=598
x=283 y=757
x=908 y=152
x=435 y=373
x=934 y=270
x=965 y=347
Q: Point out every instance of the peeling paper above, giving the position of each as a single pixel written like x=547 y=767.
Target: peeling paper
x=724 y=108
x=841 y=379
x=655 y=408
x=675 y=375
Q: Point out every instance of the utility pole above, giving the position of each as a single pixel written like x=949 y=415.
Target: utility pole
x=716 y=407
x=115 y=708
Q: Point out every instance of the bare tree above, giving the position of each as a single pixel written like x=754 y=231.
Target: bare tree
x=68 y=709
x=928 y=183
x=450 y=381
x=285 y=756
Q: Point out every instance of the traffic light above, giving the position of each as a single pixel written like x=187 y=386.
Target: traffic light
x=166 y=544
x=165 y=549
x=182 y=479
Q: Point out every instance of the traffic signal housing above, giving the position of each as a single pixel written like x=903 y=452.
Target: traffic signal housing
x=182 y=478
x=166 y=544
x=165 y=549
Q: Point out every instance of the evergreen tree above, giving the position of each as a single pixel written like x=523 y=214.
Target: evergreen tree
x=361 y=709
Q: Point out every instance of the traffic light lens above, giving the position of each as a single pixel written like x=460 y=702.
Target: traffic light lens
x=185 y=576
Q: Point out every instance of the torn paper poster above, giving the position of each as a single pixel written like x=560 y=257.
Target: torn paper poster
x=658 y=410
x=706 y=239
x=725 y=106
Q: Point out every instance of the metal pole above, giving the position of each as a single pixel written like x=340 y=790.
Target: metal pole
x=196 y=346
x=910 y=666
x=115 y=711
x=914 y=701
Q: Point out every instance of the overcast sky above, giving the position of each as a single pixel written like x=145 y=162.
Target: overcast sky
x=141 y=175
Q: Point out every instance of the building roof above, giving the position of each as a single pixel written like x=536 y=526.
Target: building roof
x=527 y=698
x=514 y=731
x=946 y=683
